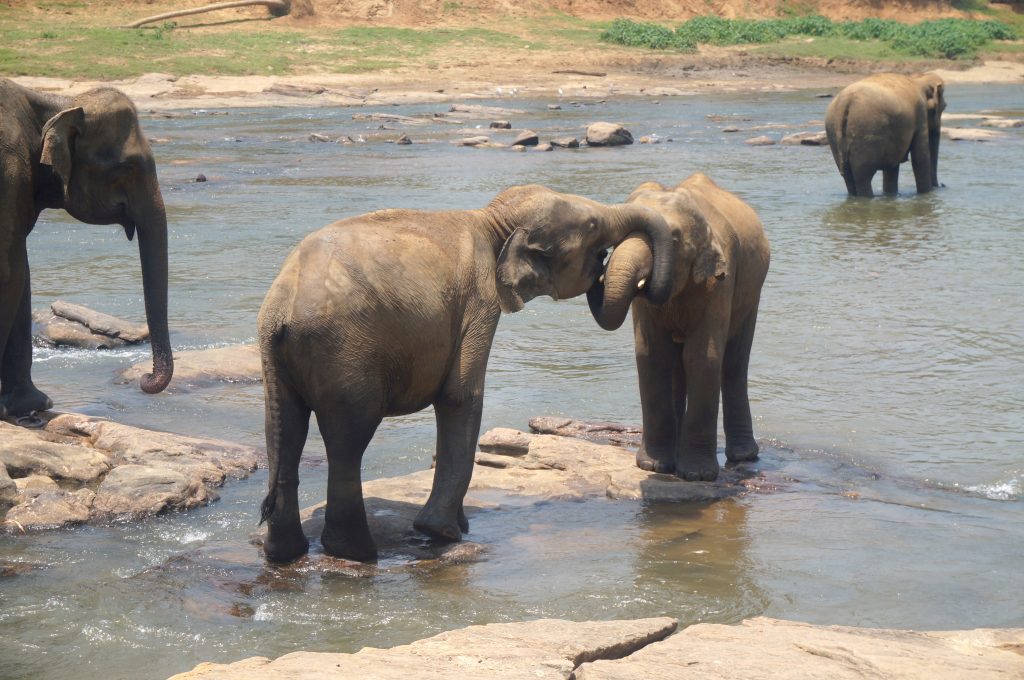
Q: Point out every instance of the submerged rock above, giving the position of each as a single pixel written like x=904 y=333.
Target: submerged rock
x=547 y=649
x=143 y=490
x=971 y=134
x=205 y=367
x=71 y=325
x=806 y=139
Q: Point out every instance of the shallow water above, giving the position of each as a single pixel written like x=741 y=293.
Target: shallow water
x=885 y=382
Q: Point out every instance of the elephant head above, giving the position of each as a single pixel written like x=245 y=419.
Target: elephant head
x=933 y=91
x=107 y=175
x=559 y=243
x=700 y=256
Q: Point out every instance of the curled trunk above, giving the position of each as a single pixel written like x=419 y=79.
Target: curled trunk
x=152 y=233
x=662 y=242
x=627 y=274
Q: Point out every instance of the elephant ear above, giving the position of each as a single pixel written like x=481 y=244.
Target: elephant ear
x=508 y=297
x=710 y=263
x=58 y=138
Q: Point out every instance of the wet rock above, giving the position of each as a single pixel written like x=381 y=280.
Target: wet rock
x=8 y=488
x=608 y=134
x=806 y=139
x=144 y=490
x=477 y=111
x=526 y=138
x=317 y=137
x=205 y=367
x=504 y=441
x=650 y=139
x=403 y=139
x=971 y=134
x=472 y=141
x=599 y=433
x=26 y=452
x=201 y=178
x=50 y=509
x=501 y=125
x=1003 y=123
x=566 y=142
x=389 y=118
x=770 y=648
x=554 y=107
x=54 y=331
x=763 y=140
x=548 y=649
x=295 y=89
x=33 y=485
x=731 y=128
x=74 y=325
x=101 y=323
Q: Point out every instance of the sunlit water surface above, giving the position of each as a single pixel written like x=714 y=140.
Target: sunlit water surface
x=885 y=379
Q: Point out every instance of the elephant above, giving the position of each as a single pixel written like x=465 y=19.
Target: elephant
x=696 y=345
x=87 y=155
x=386 y=313
x=878 y=122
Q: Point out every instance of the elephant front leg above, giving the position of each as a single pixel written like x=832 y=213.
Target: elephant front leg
x=458 y=428
x=739 y=429
x=696 y=451
x=18 y=395
x=921 y=160
x=662 y=393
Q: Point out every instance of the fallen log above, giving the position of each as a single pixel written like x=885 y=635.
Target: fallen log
x=277 y=8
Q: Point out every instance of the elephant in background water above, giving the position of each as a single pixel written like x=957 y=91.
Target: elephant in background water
x=387 y=313
x=87 y=155
x=878 y=122
x=696 y=346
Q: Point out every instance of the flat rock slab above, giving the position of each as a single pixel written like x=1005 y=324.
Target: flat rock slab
x=70 y=325
x=206 y=367
x=769 y=648
x=599 y=433
x=971 y=134
x=547 y=649
x=806 y=139
x=77 y=469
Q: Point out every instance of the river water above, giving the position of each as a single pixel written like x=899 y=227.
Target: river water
x=885 y=382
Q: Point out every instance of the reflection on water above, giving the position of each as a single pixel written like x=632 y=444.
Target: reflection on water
x=887 y=358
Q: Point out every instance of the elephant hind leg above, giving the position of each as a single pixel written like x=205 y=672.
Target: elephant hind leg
x=890 y=180
x=347 y=431
x=862 y=173
x=287 y=424
x=740 y=444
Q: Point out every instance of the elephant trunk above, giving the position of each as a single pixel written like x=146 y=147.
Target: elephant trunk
x=627 y=273
x=151 y=225
x=664 y=244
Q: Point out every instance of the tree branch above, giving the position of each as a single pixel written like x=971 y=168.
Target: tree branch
x=278 y=8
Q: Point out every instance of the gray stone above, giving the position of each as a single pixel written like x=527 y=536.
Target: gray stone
x=547 y=649
x=205 y=367
x=55 y=331
x=477 y=111
x=49 y=509
x=544 y=147
x=505 y=441
x=731 y=128
x=763 y=140
x=971 y=134
x=501 y=125
x=526 y=138
x=650 y=139
x=317 y=137
x=33 y=485
x=608 y=134
x=566 y=142
x=554 y=107
x=25 y=452
x=100 y=323
x=600 y=433
x=143 y=490
x=806 y=139
x=8 y=489
x=472 y=141
x=403 y=139
x=1004 y=123
x=769 y=648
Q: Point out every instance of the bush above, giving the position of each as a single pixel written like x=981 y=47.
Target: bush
x=949 y=38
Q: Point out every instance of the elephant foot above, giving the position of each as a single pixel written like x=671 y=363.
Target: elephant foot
x=441 y=526
x=287 y=548
x=652 y=464
x=349 y=545
x=698 y=468
x=25 y=401
x=742 y=452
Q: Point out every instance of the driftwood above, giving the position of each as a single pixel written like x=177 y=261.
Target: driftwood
x=277 y=8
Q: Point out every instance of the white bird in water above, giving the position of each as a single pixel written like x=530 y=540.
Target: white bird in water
x=515 y=91
x=498 y=90
x=559 y=93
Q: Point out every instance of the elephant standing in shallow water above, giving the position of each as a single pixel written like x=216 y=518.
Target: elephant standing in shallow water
x=388 y=313
x=87 y=155
x=696 y=346
x=880 y=121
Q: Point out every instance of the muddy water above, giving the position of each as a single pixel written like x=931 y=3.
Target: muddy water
x=885 y=383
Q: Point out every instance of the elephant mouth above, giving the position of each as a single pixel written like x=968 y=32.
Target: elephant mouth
x=598 y=266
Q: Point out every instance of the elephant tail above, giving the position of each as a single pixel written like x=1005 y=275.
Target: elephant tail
x=842 y=148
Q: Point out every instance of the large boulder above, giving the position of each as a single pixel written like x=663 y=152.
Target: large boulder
x=769 y=648
x=608 y=134
x=25 y=452
x=547 y=649
x=50 y=509
x=71 y=325
x=143 y=490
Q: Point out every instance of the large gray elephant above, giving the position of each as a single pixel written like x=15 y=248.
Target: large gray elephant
x=87 y=155
x=387 y=313
x=878 y=122
x=696 y=346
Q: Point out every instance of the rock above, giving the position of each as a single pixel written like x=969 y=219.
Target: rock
x=650 y=139
x=971 y=134
x=204 y=367
x=547 y=649
x=806 y=139
x=769 y=648
x=501 y=125
x=1004 y=123
x=504 y=441
x=544 y=147
x=608 y=134
x=476 y=111
x=33 y=485
x=317 y=137
x=566 y=142
x=295 y=90
x=103 y=324
x=763 y=140
x=403 y=139
x=26 y=452
x=55 y=331
x=50 y=509
x=200 y=178
x=554 y=107
x=526 y=138
x=600 y=433
x=731 y=128
x=8 y=488
x=389 y=118
x=143 y=490
x=472 y=141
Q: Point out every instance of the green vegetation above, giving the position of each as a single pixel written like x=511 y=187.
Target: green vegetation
x=944 y=38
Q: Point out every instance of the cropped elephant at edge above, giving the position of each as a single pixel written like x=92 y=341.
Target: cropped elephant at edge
x=879 y=122
x=387 y=313
x=695 y=346
x=87 y=155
